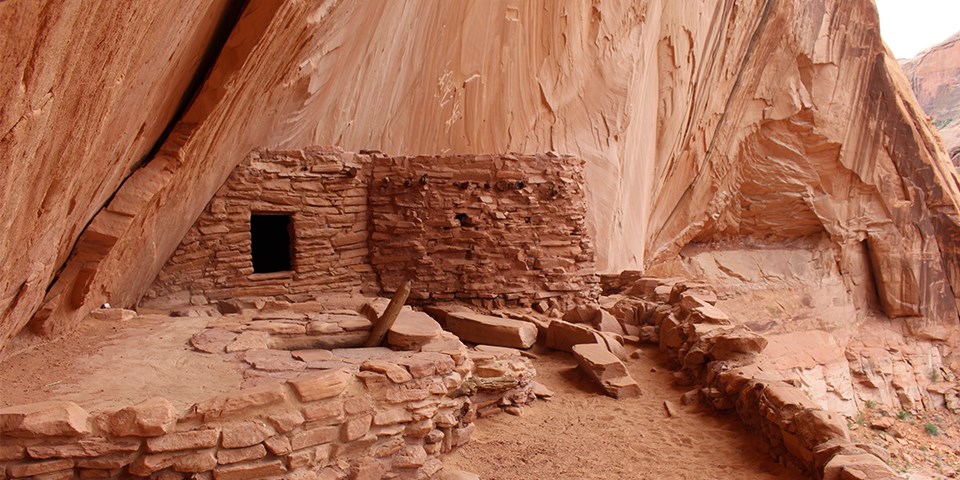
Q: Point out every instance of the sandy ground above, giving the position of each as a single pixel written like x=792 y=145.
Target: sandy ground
x=104 y=365
x=582 y=434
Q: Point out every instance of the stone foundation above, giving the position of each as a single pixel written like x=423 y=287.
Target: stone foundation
x=324 y=414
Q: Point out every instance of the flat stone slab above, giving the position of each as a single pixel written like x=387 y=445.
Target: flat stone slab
x=606 y=370
x=412 y=330
x=490 y=330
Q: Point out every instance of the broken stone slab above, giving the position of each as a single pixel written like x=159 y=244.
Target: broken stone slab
x=273 y=360
x=606 y=322
x=324 y=327
x=318 y=386
x=490 y=330
x=440 y=313
x=606 y=370
x=541 y=390
x=249 y=340
x=150 y=418
x=563 y=336
x=86 y=447
x=740 y=341
x=275 y=327
x=44 y=419
x=412 y=330
x=196 y=312
x=237 y=305
x=314 y=355
x=709 y=314
x=598 y=318
x=394 y=372
x=581 y=314
x=703 y=290
x=212 y=340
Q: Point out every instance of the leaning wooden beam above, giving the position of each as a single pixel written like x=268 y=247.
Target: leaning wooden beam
x=383 y=324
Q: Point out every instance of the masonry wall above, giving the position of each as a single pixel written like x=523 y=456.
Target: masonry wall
x=500 y=229
x=324 y=192
x=492 y=229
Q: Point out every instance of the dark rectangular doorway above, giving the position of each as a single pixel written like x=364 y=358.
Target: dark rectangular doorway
x=270 y=236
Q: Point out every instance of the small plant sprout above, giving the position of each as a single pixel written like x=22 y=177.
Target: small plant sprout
x=932 y=429
x=871 y=404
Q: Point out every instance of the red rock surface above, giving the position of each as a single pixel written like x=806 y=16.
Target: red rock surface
x=934 y=75
x=772 y=120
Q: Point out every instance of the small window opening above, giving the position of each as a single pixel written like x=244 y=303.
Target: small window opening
x=270 y=236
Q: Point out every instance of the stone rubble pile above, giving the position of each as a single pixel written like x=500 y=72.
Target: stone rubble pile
x=719 y=357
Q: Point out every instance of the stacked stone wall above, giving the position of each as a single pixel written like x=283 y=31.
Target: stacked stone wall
x=332 y=424
x=489 y=228
x=324 y=192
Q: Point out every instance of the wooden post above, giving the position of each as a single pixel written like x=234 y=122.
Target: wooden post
x=383 y=324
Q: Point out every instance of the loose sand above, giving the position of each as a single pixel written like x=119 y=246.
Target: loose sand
x=582 y=434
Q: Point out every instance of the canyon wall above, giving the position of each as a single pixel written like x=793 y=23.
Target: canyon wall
x=765 y=119
x=933 y=75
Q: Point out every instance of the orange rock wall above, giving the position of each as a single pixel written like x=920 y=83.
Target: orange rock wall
x=697 y=121
x=933 y=75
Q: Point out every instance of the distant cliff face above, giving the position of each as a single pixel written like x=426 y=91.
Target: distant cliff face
x=771 y=120
x=934 y=75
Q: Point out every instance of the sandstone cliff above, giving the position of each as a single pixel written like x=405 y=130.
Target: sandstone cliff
x=765 y=119
x=934 y=75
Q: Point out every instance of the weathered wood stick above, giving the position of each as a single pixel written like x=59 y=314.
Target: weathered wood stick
x=383 y=324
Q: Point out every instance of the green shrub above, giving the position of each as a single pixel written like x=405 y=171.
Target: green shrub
x=931 y=429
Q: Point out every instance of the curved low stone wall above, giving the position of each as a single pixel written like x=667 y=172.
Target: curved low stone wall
x=383 y=418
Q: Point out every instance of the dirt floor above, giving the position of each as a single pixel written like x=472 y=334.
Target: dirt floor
x=582 y=434
x=105 y=365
